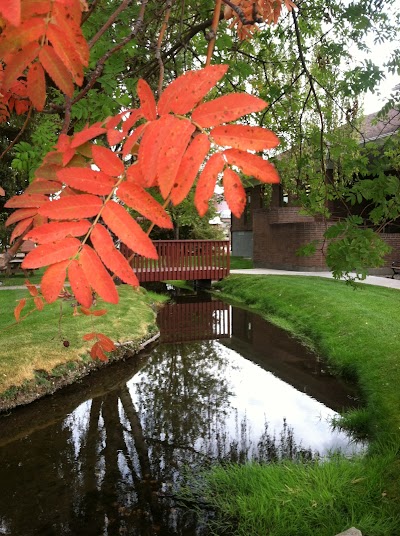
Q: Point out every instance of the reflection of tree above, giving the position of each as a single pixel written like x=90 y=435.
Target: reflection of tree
x=108 y=468
x=182 y=399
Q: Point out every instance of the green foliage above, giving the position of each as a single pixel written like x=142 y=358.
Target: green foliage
x=353 y=249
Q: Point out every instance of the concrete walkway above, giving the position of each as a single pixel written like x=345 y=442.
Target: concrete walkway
x=380 y=281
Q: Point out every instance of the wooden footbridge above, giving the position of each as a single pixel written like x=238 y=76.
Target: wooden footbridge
x=187 y=260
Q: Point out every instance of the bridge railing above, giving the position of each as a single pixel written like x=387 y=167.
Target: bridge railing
x=183 y=259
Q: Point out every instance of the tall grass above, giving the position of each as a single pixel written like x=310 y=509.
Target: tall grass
x=309 y=499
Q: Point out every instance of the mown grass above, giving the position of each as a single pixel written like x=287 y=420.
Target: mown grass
x=37 y=342
x=240 y=263
x=18 y=278
x=358 y=332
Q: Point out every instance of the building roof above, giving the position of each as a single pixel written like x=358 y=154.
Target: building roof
x=372 y=130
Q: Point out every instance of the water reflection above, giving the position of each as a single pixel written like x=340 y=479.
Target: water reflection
x=104 y=457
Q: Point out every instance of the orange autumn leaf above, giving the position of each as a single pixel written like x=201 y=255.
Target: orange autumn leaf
x=128 y=230
x=252 y=165
x=79 y=284
x=182 y=95
x=189 y=167
x=19 y=215
x=87 y=180
x=113 y=259
x=38 y=303
x=26 y=201
x=107 y=161
x=37 y=86
x=132 y=140
x=53 y=281
x=244 y=137
x=97 y=275
x=18 y=309
x=56 y=69
x=33 y=291
x=11 y=11
x=54 y=231
x=140 y=200
x=147 y=100
x=44 y=187
x=106 y=343
x=18 y=63
x=20 y=228
x=66 y=51
x=54 y=252
x=99 y=312
x=153 y=138
x=172 y=149
x=226 y=108
x=97 y=353
x=206 y=183
x=88 y=133
x=234 y=192
x=89 y=336
x=72 y=207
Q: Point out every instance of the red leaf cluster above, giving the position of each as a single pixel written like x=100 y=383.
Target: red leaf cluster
x=82 y=197
x=40 y=38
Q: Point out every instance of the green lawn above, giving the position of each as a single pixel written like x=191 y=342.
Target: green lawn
x=358 y=332
x=241 y=263
x=37 y=342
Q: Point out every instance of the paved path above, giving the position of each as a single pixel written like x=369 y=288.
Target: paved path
x=381 y=281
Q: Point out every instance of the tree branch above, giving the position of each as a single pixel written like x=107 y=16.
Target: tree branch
x=17 y=137
x=110 y=21
x=242 y=16
x=312 y=87
x=213 y=31
x=158 y=47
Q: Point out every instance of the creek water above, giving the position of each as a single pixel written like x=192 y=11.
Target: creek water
x=104 y=457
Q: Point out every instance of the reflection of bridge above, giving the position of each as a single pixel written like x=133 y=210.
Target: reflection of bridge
x=186 y=260
x=194 y=321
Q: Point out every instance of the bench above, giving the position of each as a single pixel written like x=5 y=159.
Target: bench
x=15 y=265
x=395 y=268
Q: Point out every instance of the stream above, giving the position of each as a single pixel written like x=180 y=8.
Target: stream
x=105 y=456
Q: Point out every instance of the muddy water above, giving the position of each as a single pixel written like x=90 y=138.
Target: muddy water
x=104 y=457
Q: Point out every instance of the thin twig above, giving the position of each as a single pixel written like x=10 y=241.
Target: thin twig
x=67 y=115
x=242 y=16
x=17 y=137
x=110 y=21
x=158 y=47
x=92 y=7
x=311 y=82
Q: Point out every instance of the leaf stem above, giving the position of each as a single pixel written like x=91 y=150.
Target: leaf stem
x=213 y=31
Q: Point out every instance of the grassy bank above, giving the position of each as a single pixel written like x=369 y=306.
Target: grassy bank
x=357 y=331
x=40 y=351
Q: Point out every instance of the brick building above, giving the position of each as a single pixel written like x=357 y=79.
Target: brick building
x=272 y=235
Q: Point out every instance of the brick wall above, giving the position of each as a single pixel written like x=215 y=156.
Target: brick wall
x=275 y=245
x=279 y=232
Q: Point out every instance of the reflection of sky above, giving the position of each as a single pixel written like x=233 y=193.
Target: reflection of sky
x=256 y=397
x=259 y=397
